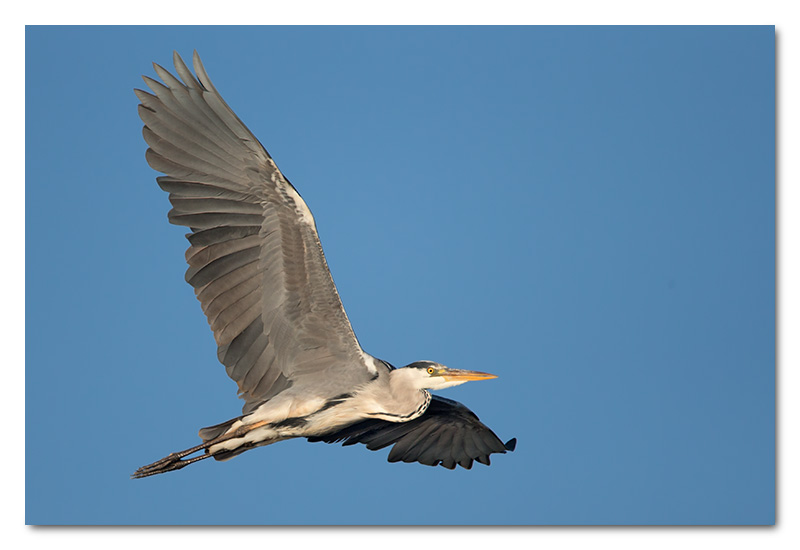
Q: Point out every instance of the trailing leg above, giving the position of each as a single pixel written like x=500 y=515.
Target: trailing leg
x=176 y=461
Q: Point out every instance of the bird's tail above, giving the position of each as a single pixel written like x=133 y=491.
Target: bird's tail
x=211 y=435
x=217 y=430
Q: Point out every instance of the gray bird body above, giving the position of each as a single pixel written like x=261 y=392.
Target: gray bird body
x=258 y=269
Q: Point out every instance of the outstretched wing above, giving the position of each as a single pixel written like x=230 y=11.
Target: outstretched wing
x=255 y=259
x=447 y=434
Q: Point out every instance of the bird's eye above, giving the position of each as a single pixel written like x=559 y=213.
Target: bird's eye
x=431 y=370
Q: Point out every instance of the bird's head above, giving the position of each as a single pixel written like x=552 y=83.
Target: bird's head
x=433 y=376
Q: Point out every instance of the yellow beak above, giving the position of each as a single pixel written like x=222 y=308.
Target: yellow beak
x=452 y=375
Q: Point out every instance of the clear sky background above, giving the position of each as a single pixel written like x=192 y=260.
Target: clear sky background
x=587 y=212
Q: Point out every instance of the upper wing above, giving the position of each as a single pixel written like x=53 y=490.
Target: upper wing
x=255 y=259
x=447 y=434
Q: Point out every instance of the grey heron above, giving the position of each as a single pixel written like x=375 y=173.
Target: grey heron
x=258 y=270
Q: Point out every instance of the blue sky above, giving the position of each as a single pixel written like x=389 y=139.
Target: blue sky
x=586 y=212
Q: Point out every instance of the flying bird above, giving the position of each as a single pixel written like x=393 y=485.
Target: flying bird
x=258 y=270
